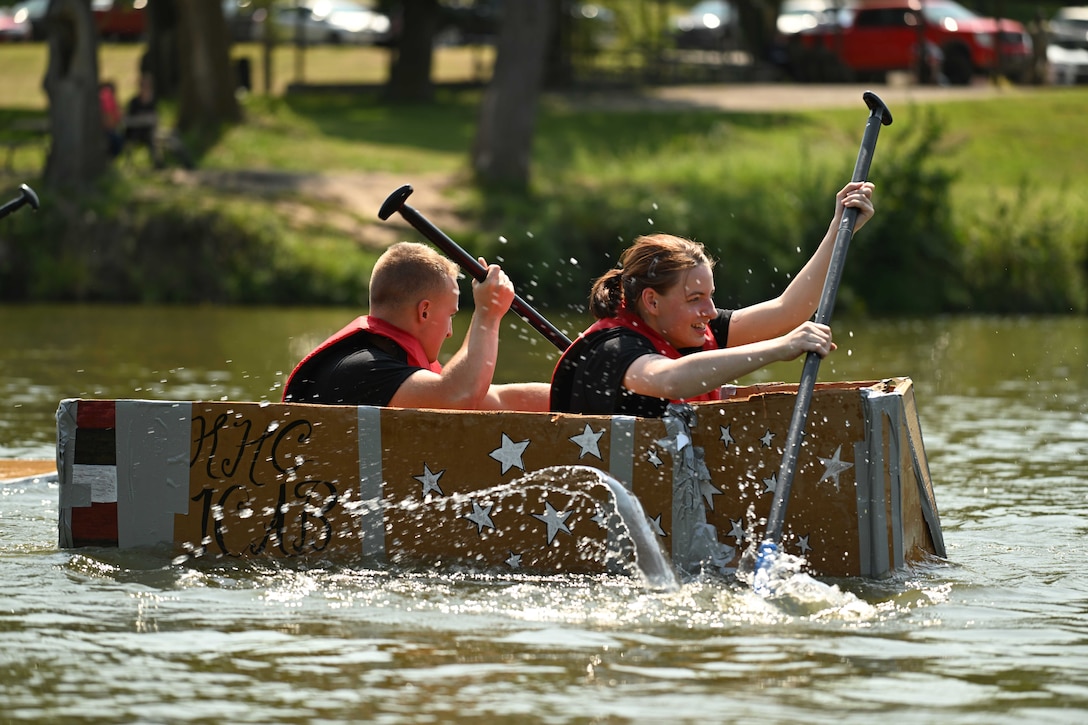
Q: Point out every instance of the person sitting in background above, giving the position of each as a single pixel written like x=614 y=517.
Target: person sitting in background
x=142 y=122
x=659 y=338
x=111 y=117
x=142 y=118
x=390 y=356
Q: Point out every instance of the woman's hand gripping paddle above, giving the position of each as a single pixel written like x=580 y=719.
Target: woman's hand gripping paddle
x=395 y=203
x=768 y=550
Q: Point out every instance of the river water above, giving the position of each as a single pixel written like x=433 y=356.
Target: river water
x=997 y=634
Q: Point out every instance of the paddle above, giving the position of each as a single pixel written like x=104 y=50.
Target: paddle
x=878 y=115
x=27 y=196
x=395 y=203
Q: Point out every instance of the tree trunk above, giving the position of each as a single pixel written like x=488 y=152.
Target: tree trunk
x=207 y=78
x=504 y=136
x=77 y=155
x=559 y=70
x=410 y=60
x=163 y=55
x=758 y=20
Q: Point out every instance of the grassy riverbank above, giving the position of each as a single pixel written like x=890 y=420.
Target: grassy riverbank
x=982 y=203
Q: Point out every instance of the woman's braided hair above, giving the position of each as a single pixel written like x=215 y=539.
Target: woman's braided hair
x=654 y=261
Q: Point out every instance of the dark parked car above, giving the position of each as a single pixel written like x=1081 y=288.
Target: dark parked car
x=29 y=18
x=11 y=29
x=121 y=20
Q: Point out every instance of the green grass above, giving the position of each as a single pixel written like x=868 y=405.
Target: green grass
x=1008 y=173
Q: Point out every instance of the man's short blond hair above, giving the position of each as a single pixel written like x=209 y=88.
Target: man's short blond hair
x=408 y=272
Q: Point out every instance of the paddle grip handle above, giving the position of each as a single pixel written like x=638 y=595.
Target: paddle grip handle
x=396 y=203
x=26 y=196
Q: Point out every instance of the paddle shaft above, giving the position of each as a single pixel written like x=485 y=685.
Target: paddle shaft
x=395 y=202
x=27 y=196
x=878 y=116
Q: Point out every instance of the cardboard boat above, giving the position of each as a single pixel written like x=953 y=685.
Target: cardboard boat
x=529 y=492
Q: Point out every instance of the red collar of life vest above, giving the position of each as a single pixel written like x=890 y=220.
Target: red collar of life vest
x=626 y=318
x=375 y=326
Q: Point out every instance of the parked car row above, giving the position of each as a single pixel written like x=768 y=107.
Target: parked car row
x=122 y=20
x=863 y=39
x=315 y=21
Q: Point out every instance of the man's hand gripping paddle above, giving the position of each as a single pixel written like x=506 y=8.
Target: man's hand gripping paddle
x=768 y=550
x=395 y=203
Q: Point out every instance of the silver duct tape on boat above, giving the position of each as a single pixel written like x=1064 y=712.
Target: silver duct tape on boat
x=146 y=474
x=372 y=517
x=879 y=499
x=153 y=441
x=621 y=459
x=69 y=495
x=694 y=542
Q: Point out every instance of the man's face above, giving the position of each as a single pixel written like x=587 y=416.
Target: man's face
x=438 y=323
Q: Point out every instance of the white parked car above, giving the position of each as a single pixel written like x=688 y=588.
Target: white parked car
x=796 y=16
x=329 y=21
x=1067 y=50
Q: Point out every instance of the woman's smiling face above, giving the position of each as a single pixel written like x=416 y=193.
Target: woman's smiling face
x=681 y=313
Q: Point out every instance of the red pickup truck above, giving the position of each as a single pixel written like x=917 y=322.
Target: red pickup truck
x=877 y=36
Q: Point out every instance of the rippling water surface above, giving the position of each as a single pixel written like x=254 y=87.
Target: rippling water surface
x=998 y=634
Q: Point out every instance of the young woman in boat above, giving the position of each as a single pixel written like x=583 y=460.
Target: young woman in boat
x=659 y=338
x=390 y=356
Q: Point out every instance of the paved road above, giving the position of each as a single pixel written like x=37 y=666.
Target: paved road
x=782 y=96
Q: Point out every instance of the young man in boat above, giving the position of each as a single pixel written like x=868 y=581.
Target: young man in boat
x=659 y=338
x=390 y=356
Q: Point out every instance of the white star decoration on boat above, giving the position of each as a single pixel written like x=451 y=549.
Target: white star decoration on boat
x=770 y=484
x=429 y=480
x=652 y=457
x=655 y=524
x=556 y=520
x=738 y=531
x=726 y=436
x=834 y=466
x=509 y=453
x=481 y=516
x=513 y=561
x=587 y=440
x=802 y=544
x=766 y=439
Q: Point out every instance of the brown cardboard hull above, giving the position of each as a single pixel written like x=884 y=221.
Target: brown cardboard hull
x=532 y=492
